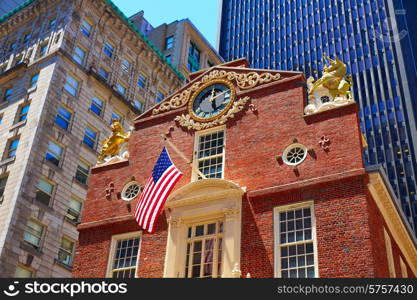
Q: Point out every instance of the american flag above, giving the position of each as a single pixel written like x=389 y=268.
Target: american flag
x=161 y=182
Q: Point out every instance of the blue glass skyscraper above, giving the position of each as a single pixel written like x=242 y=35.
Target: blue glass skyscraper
x=377 y=40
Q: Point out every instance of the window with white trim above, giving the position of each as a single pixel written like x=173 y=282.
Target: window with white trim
x=124 y=255
x=296 y=254
x=209 y=153
x=204 y=250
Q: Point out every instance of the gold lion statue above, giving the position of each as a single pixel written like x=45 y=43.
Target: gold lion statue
x=112 y=145
x=334 y=79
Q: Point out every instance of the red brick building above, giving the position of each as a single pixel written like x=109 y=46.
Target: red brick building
x=286 y=194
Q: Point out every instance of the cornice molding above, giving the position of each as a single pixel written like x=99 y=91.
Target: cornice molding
x=393 y=220
x=244 y=80
x=204 y=191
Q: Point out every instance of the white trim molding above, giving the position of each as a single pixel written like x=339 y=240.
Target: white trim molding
x=277 y=249
x=114 y=240
x=394 y=222
x=204 y=201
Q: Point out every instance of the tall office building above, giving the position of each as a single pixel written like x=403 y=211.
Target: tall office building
x=375 y=38
x=66 y=69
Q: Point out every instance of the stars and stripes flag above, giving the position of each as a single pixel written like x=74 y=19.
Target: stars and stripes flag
x=157 y=189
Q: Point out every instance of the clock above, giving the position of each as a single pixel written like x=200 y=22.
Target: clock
x=211 y=101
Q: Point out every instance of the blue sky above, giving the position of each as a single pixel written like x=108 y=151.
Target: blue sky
x=203 y=13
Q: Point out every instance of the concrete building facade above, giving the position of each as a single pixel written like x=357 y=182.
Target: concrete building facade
x=67 y=69
x=181 y=43
x=283 y=194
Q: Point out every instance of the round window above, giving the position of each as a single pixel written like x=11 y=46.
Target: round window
x=130 y=191
x=295 y=154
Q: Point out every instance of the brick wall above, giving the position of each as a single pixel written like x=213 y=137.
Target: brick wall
x=335 y=180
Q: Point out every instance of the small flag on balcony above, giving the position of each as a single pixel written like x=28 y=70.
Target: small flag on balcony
x=157 y=189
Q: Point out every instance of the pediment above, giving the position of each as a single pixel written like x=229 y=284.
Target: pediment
x=235 y=74
x=204 y=190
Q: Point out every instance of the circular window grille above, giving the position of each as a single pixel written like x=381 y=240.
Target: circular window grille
x=295 y=154
x=130 y=191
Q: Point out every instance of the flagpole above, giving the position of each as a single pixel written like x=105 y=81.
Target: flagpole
x=190 y=163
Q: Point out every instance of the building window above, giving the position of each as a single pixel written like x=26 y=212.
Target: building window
x=74 y=209
x=18 y=60
x=193 y=58
x=66 y=251
x=295 y=154
x=142 y=79
x=7 y=95
x=86 y=28
x=34 y=81
x=54 y=153
x=63 y=118
x=169 y=42
x=43 y=49
x=97 y=106
x=168 y=58
x=159 y=97
x=26 y=38
x=44 y=192
x=116 y=116
x=12 y=148
x=103 y=73
x=121 y=88
x=204 y=250
x=138 y=104
x=125 y=65
x=296 y=254
x=79 y=55
x=12 y=46
x=22 y=272
x=83 y=170
x=130 y=191
x=23 y=112
x=51 y=23
x=90 y=137
x=3 y=182
x=124 y=255
x=33 y=234
x=108 y=49
x=71 y=85
x=210 y=153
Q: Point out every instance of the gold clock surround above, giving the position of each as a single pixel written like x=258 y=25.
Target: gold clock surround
x=202 y=88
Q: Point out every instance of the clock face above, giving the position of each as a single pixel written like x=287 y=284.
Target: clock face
x=212 y=101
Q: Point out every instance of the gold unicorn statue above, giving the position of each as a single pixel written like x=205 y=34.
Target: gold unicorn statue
x=334 y=79
x=112 y=145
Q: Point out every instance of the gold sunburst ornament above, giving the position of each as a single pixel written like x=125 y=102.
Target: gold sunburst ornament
x=211 y=101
